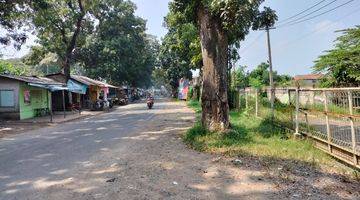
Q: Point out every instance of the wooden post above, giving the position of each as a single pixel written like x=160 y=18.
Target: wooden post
x=50 y=106
x=291 y=111
x=79 y=98
x=256 y=102
x=353 y=137
x=289 y=96
x=328 y=131
x=307 y=123
x=297 y=102
x=63 y=100
x=246 y=100
x=239 y=100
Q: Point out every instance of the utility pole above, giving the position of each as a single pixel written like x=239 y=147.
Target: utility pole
x=272 y=88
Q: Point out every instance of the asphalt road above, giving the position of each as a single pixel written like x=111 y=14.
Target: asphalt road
x=130 y=153
x=136 y=153
x=74 y=158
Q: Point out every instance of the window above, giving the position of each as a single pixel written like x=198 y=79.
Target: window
x=7 y=98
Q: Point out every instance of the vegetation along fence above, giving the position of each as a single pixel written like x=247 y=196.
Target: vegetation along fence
x=331 y=116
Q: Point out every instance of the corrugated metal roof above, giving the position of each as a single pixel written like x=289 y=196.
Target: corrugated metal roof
x=85 y=80
x=88 y=81
x=308 y=77
x=32 y=79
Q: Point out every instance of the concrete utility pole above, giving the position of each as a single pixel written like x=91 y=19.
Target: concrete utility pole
x=272 y=88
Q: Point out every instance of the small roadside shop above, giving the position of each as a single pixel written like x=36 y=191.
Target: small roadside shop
x=25 y=97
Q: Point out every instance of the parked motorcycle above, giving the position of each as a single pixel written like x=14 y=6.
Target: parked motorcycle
x=100 y=105
x=150 y=102
x=112 y=102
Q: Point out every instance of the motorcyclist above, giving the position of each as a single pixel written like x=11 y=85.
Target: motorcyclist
x=150 y=101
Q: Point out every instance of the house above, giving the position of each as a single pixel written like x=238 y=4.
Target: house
x=75 y=97
x=308 y=80
x=82 y=93
x=24 y=97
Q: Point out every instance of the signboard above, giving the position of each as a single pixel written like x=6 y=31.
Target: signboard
x=27 y=97
x=183 y=88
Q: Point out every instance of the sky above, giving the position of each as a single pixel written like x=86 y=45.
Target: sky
x=294 y=48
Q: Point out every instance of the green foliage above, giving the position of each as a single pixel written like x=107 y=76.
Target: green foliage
x=119 y=49
x=240 y=78
x=11 y=18
x=102 y=38
x=258 y=139
x=15 y=67
x=62 y=26
x=175 y=59
x=235 y=17
x=259 y=77
x=159 y=79
x=342 y=64
x=195 y=105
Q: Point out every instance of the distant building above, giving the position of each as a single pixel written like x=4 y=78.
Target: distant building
x=308 y=80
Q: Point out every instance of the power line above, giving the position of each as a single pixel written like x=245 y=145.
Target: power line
x=323 y=13
x=318 y=30
x=302 y=17
x=252 y=43
x=302 y=12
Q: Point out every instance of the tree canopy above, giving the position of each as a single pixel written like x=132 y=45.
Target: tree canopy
x=342 y=64
x=102 y=38
x=235 y=17
x=119 y=49
x=220 y=25
x=12 y=18
x=180 y=53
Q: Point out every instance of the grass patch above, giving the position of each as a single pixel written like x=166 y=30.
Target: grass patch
x=253 y=137
x=195 y=105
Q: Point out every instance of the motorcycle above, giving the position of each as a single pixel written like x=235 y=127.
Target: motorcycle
x=100 y=105
x=150 y=102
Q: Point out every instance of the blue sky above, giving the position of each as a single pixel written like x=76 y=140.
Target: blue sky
x=294 y=48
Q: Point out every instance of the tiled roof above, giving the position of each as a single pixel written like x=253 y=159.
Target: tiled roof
x=32 y=79
x=308 y=77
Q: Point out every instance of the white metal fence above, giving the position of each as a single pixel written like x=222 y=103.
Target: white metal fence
x=331 y=116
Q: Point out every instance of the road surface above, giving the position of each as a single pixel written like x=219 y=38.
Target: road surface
x=131 y=153
x=136 y=153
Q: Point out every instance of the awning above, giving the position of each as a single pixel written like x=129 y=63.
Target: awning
x=76 y=87
x=52 y=88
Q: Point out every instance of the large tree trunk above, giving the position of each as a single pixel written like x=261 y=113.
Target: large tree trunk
x=72 y=43
x=214 y=99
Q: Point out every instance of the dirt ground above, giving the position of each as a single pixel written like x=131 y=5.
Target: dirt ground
x=134 y=153
x=11 y=129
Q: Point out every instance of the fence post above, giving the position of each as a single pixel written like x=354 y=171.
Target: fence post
x=239 y=101
x=297 y=102
x=353 y=137
x=246 y=99
x=257 y=102
x=326 y=109
x=307 y=123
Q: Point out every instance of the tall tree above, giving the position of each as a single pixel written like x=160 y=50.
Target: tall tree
x=61 y=26
x=179 y=53
x=119 y=49
x=12 y=18
x=342 y=64
x=220 y=24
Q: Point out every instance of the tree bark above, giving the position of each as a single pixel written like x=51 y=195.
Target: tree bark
x=214 y=46
x=72 y=43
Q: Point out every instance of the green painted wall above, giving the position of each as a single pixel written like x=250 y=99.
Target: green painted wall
x=38 y=100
